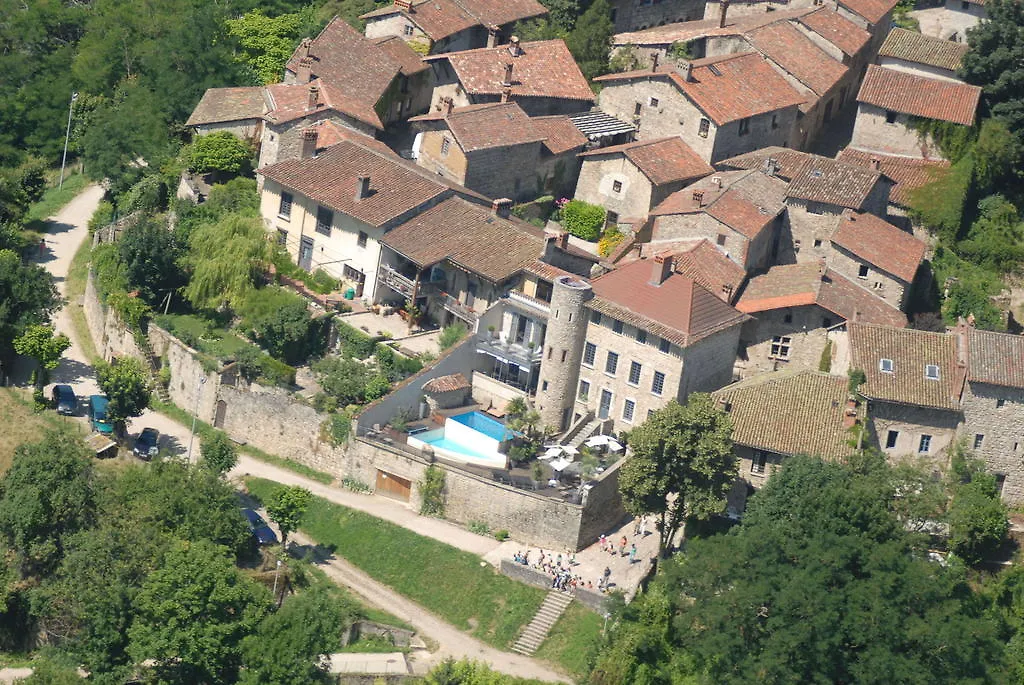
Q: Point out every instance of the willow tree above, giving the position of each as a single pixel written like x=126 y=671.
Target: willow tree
x=226 y=258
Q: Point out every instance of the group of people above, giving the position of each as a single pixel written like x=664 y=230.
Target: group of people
x=608 y=545
x=559 y=567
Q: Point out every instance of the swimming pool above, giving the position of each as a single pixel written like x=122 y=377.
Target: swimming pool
x=472 y=437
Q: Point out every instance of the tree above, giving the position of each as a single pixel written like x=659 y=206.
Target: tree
x=343 y=378
x=682 y=465
x=226 y=258
x=27 y=297
x=268 y=42
x=288 y=646
x=126 y=386
x=151 y=254
x=591 y=40
x=978 y=522
x=583 y=219
x=287 y=507
x=280 y=322
x=192 y=614
x=996 y=61
x=218 y=453
x=45 y=497
x=221 y=152
x=41 y=343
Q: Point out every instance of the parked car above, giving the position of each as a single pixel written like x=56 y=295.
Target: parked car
x=64 y=400
x=98 y=418
x=261 y=532
x=146 y=444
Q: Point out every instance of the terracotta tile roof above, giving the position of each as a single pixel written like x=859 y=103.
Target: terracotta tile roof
x=996 y=358
x=790 y=413
x=909 y=173
x=455 y=381
x=560 y=134
x=917 y=47
x=442 y=18
x=679 y=309
x=881 y=244
x=663 y=160
x=747 y=201
x=727 y=88
x=702 y=28
x=288 y=102
x=331 y=178
x=788 y=162
x=873 y=11
x=543 y=68
x=227 y=104
x=825 y=180
x=799 y=285
x=469 y=235
x=910 y=351
x=481 y=127
x=331 y=133
x=785 y=45
x=919 y=96
x=410 y=61
x=706 y=264
x=837 y=29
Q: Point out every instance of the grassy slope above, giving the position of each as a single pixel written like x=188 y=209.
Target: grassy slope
x=19 y=423
x=574 y=640
x=445 y=580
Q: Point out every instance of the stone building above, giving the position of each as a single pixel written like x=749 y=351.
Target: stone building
x=738 y=211
x=874 y=16
x=915 y=53
x=890 y=100
x=235 y=110
x=908 y=174
x=434 y=26
x=700 y=259
x=496 y=150
x=629 y=180
x=541 y=77
x=720 y=106
x=781 y=414
x=630 y=15
x=796 y=310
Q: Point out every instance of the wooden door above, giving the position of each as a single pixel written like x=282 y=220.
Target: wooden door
x=392 y=486
x=222 y=410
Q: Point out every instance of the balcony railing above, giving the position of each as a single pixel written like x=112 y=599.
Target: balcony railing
x=394 y=280
x=516 y=353
x=460 y=310
x=531 y=303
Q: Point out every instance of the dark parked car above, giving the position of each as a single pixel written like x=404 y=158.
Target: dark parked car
x=261 y=532
x=64 y=400
x=145 y=445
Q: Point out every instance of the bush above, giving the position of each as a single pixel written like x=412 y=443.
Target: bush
x=479 y=527
x=219 y=152
x=343 y=378
x=281 y=324
x=451 y=335
x=276 y=372
x=377 y=387
x=502 y=535
x=583 y=219
x=102 y=217
x=338 y=428
x=148 y=195
x=321 y=282
x=353 y=342
x=977 y=520
x=395 y=366
x=355 y=485
x=432 y=492
x=611 y=239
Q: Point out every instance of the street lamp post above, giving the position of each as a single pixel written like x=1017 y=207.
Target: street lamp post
x=195 y=415
x=67 y=137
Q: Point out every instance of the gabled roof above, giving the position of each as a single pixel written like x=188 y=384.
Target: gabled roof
x=679 y=310
x=442 y=18
x=921 y=49
x=909 y=173
x=880 y=244
x=787 y=162
x=910 y=351
x=800 y=285
x=331 y=133
x=663 y=160
x=797 y=54
x=919 y=96
x=995 y=358
x=702 y=28
x=485 y=126
x=706 y=264
x=450 y=383
x=543 y=68
x=836 y=29
x=726 y=88
x=560 y=133
x=287 y=102
x=873 y=11
x=331 y=178
x=790 y=413
x=821 y=179
x=219 y=105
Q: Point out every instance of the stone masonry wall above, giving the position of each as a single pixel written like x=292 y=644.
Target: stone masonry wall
x=806 y=331
x=911 y=423
x=880 y=283
x=451 y=164
x=630 y=15
x=872 y=132
x=186 y=389
x=110 y=335
x=505 y=172
x=1002 y=431
x=597 y=185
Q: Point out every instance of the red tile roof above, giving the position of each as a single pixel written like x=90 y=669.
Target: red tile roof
x=727 y=88
x=560 y=134
x=837 y=29
x=706 y=264
x=873 y=11
x=921 y=49
x=747 y=201
x=821 y=179
x=785 y=45
x=996 y=358
x=450 y=383
x=920 y=96
x=291 y=101
x=481 y=127
x=331 y=178
x=909 y=173
x=542 y=69
x=220 y=105
x=442 y=18
x=787 y=162
x=799 y=285
x=679 y=309
x=663 y=160
x=881 y=244
x=331 y=133
x=703 y=28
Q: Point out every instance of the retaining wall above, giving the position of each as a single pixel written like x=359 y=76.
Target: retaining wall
x=594 y=601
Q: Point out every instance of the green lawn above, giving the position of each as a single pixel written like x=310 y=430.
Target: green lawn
x=574 y=640
x=456 y=585
x=21 y=423
x=202 y=334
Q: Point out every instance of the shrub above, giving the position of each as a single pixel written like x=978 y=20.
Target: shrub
x=355 y=485
x=102 y=217
x=353 y=342
x=148 y=195
x=432 y=492
x=825 y=363
x=611 y=239
x=377 y=387
x=276 y=372
x=583 y=219
x=395 y=366
x=857 y=379
x=343 y=378
x=501 y=535
x=977 y=520
x=479 y=527
x=320 y=282
x=451 y=335
x=220 y=152
x=338 y=428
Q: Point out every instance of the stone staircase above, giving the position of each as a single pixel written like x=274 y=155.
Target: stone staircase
x=153 y=367
x=585 y=432
x=551 y=609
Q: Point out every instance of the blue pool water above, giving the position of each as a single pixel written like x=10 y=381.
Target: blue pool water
x=482 y=423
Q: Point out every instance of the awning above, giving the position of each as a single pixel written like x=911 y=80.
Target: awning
x=595 y=125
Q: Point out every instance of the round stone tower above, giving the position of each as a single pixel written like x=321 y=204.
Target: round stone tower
x=563 y=351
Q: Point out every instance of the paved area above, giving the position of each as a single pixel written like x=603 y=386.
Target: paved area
x=375 y=324
x=370 y=663
x=939 y=22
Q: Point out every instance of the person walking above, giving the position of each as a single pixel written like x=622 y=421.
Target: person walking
x=632 y=554
x=622 y=546
x=604 y=542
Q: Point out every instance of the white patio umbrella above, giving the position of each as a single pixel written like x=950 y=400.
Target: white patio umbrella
x=604 y=441
x=551 y=453
x=560 y=464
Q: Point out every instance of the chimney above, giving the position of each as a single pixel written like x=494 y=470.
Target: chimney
x=362 y=187
x=307 y=47
x=562 y=240
x=502 y=207
x=304 y=74
x=506 y=93
x=850 y=413
x=771 y=166
x=513 y=46
x=308 y=149
x=698 y=198
x=661 y=268
x=404 y=5
x=723 y=11
x=687 y=72
x=447 y=104
x=876 y=164
x=821 y=266
x=508 y=76
x=314 y=95
x=492 y=36
x=654 y=61
x=716 y=181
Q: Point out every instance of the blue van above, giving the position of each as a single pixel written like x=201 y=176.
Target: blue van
x=98 y=414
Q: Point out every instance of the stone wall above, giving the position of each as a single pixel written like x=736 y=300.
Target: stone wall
x=806 y=331
x=630 y=15
x=807 y=231
x=911 y=423
x=110 y=335
x=191 y=382
x=450 y=163
x=594 y=601
x=880 y=283
x=490 y=392
x=505 y=172
x=596 y=185
x=872 y=132
x=707 y=364
x=1001 y=427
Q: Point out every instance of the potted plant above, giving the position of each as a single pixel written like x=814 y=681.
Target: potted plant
x=492 y=330
x=537 y=472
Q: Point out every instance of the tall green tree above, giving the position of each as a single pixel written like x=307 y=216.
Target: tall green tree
x=151 y=254
x=268 y=42
x=682 y=465
x=27 y=297
x=226 y=258
x=45 y=346
x=126 y=385
x=287 y=507
x=218 y=453
x=996 y=61
x=591 y=39
x=221 y=152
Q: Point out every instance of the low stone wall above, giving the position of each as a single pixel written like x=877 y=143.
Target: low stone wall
x=400 y=637
x=191 y=385
x=594 y=601
x=489 y=391
x=110 y=335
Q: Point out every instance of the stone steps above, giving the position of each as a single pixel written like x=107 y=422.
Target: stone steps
x=585 y=432
x=534 y=634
